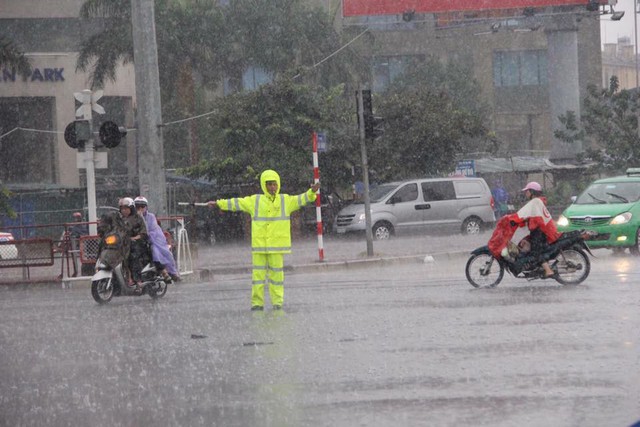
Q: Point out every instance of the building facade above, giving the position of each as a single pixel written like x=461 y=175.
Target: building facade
x=619 y=59
x=35 y=110
x=533 y=64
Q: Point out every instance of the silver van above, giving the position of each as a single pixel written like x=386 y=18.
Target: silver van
x=421 y=205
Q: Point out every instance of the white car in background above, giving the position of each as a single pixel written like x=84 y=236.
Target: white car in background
x=7 y=251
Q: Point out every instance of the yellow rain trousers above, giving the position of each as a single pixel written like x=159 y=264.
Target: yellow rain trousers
x=270 y=234
x=268 y=269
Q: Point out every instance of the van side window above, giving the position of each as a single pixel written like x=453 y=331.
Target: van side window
x=439 y=190
x=407 y=193
x=470 y=189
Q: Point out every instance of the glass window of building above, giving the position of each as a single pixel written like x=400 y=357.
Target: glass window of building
x=254 y=77
x=520 y=68
x=387 y=68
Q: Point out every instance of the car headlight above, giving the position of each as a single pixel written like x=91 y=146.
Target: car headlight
x=621 y=219
x=362 y=216
x=563 y=221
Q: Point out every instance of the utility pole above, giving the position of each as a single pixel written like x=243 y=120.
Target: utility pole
x=365 y=173
x=635 y=42
x=148 y=112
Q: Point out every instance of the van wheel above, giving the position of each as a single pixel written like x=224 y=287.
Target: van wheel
x=472 y=225
x=635 y=249
x=382 y=230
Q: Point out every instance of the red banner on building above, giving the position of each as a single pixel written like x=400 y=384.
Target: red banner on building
x=393 y=7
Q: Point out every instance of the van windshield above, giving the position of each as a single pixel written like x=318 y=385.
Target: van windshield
x=380 y=192
x=610 y=193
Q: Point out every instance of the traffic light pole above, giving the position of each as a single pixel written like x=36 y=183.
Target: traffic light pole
x=79 y=134
x=365 y=174
x=89 y=164
x=91 y=186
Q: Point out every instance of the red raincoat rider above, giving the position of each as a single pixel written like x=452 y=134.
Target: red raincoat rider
x=542 y=228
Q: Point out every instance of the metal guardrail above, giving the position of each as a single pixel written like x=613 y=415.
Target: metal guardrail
x=26 y=253
x=71 y=251
x=89 y=249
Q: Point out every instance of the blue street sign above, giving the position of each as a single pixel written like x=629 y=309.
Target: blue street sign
x=323 y=143
x=466 y=168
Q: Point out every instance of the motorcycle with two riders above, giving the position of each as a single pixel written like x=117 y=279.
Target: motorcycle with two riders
x=111 y=276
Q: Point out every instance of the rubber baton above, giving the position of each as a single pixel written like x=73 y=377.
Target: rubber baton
x=192 y=204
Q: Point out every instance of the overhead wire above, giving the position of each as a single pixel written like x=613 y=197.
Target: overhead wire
x=29 y=130
x=336 y=52
x=46 y=131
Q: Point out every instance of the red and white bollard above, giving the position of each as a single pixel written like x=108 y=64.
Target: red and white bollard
x=316 y=179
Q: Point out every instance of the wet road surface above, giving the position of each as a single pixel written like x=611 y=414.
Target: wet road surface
x=409 y=345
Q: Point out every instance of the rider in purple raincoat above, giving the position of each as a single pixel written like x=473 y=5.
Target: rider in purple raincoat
x=159 y=247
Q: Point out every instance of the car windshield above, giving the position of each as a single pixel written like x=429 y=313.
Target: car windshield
x=381 y=191
x=609 y=193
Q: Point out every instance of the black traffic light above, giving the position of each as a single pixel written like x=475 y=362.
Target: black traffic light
x=77 y=133
x=593 y=5
x=373 y=125
x=111 y=134
x=408 y=15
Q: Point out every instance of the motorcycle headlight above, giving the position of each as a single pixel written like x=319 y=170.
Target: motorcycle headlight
x=563 y=221
x=111 y=239
x=621 y=219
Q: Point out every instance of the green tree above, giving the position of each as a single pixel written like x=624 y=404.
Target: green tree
x=5 y=207
x=271 y=128
x=608 y=127
x=433 y=114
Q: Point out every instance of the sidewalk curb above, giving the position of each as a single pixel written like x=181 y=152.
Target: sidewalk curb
x=208 y=273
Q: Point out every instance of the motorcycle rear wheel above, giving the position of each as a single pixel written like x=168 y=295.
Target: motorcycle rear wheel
x=483 y=270
x=573 y=266
x=101 y=291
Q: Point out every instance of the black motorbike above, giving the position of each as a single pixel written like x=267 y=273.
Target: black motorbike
x=567 y=257
x=110 y=279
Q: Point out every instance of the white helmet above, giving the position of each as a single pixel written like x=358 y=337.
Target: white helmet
x=141 y=201
x=127 y=201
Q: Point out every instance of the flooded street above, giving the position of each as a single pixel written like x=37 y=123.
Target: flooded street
x=409 y=345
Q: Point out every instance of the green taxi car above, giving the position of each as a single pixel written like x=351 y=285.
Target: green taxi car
x=611 y=207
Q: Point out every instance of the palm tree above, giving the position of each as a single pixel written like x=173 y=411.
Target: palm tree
x=201 y=42
x=187 y=34
x=213 y=41
x=11 y=57
x=104 y=51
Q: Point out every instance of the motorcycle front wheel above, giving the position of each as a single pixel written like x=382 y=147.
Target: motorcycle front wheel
x=102 y=291
x=159 y=289
x=573 y=266
x=483 y=270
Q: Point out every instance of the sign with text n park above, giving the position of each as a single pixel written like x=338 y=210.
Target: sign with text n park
x=393 y=7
